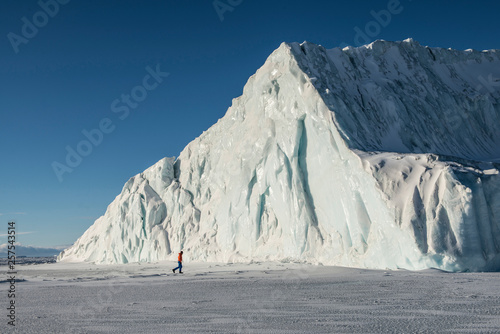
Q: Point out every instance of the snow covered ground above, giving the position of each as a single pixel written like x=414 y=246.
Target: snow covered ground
x=251 y=298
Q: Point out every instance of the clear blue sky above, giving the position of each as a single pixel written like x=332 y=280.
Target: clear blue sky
x=65 y=76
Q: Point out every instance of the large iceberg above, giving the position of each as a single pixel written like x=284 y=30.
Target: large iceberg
x=381 y=156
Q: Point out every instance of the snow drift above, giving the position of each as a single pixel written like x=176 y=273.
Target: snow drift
x=382 y=156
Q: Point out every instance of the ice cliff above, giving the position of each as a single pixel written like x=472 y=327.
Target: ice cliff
x=382 y=156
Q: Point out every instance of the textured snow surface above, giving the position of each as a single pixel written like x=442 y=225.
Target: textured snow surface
x=82 y=298
x=381 y=156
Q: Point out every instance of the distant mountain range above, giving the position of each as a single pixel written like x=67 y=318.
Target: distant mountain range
x=30 y=251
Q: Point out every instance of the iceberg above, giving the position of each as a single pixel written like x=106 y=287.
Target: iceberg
x=381 y=156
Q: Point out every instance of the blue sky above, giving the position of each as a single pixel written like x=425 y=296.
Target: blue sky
x=63 y=76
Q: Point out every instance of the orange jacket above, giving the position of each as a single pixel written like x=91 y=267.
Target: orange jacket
x=179 y=258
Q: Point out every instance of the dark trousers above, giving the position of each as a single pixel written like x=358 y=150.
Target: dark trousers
x=179 y=267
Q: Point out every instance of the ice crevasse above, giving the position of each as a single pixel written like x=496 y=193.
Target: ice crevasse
x=381 y=156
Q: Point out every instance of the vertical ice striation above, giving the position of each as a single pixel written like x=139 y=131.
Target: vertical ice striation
x=381 y=156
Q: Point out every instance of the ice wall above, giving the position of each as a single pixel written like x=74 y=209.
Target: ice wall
x=289 y=174
x=404 y=97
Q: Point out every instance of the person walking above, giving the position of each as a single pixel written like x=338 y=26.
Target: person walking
x=179 y=261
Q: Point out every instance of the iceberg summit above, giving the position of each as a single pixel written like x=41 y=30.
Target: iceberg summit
x=381 y=156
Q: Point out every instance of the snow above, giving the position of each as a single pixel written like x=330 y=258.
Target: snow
x=379 y=157
x=251 y=298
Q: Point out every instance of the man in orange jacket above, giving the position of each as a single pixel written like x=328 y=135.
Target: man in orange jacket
x=179 y=260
